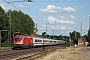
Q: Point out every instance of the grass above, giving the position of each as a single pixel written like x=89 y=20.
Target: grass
x=70 y=53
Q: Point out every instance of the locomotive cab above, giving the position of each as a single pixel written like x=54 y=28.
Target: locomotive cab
x=22 y=41
x=18 y=41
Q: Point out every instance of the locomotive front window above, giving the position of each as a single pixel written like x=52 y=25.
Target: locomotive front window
x=18 y=39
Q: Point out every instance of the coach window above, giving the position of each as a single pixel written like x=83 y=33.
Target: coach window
x=43 y=40
x=54 y=41
x=36 y=40
x=50 y=41
x=40 y=40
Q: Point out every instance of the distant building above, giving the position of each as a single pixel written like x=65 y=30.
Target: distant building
x=81 y=41
x=34 y=34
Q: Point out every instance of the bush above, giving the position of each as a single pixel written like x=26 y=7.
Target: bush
x=5 y=44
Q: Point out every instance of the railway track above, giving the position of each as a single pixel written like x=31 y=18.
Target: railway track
x=5 y=49
x=39 y=54
x=28 y=54
x=32 y=56
x=7 y=56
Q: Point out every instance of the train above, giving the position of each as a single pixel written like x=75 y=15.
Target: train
x=25 y=41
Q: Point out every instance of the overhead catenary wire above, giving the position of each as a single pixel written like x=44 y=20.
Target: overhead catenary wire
x=11 y=4
x=61 y=0
x=21 y=10
x=30 y=10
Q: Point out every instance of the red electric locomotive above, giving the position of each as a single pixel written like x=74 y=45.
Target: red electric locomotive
x=22 y=41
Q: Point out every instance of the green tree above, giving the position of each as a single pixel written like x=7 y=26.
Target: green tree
x=21 y=22
x=61 y=37
x=3 y=25
x=3 y=19
x=74 y=35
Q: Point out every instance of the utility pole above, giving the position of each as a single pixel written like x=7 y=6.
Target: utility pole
x=81 y=31
x=0 y=38
x=46 y=32
x=36 y=28
x=10 y=25
x=89 y=21
x=75 y=33
x=53 y=34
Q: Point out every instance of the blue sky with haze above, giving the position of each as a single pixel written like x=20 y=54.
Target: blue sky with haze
x=58 y=16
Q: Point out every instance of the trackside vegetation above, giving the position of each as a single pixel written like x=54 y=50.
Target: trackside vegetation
x=20 y=22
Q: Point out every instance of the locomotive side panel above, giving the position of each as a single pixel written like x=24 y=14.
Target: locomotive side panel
x=22 y=41
x=29 y=41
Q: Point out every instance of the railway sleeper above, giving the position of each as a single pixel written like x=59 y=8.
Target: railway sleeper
x=33 y=56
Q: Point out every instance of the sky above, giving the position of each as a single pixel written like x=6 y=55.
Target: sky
x=56 y=17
